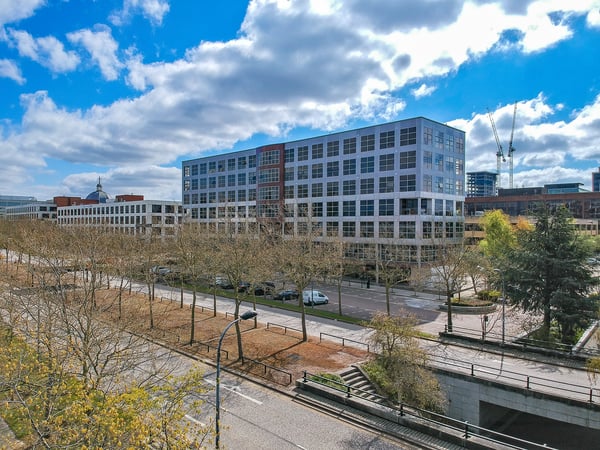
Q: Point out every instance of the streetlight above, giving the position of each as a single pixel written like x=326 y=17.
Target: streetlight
x=244 y=316
x=503 y=304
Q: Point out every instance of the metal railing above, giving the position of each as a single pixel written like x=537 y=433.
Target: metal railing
x=344 y=340
x=285 y=373
x=462 y=429
x=285 y=327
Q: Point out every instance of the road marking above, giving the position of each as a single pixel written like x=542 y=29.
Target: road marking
x=196 y=421
x=235 y=390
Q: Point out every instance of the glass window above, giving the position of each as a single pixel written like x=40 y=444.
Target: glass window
x=386 y=207
x=349 y=167
x=212 y=166
x=333 y=189
x=349 y=187
x=386 y=229
x=386 y=139
x=349 y=208
x=288 y=191
x=302 y=173
x=221 y=165
x=252 y=161
x=427 y=135
x=332 y=229
x=349 y=229
x=231 y=196
x=288 y=174
x=317 y=209
x=427 y=183
x=212 y=182
x=333 y=209
x=386 y=162
x=426 y=206
x=202 y=168
x=317 y=151
x=367 y=186
x=252 y=178
x=221 y=180
x=231 y=179
x=289 y=155
x=241 y=179
x=408 y=183
x=231 y=164
x=333 y=168
x=367 y=229
x=439 y=207
x=408 y=160
x=367 y=208
x=367 y=143
x=317 y=170
x=241 y=195
x=439 y=185
x=349 y=146
x=241 y=162
x=186 y=171
x=367 y=164
x=303 y=153
x=439 y=140
x=269 y=157
x=333 y=148
x=427 y=228
x=317 y=190
x=386 y=184
x=408 y=206
x=302 y=191
x=449 y=229
x=406 y=230
x=408 y=136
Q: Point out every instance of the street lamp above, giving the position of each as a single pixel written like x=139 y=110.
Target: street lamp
x=503 y=304
x=244 y=316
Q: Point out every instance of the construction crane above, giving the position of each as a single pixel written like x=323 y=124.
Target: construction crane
x=511 y=149
x=499 y=154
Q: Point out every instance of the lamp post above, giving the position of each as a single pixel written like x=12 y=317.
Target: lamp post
x=503 y=304
x=244 y=316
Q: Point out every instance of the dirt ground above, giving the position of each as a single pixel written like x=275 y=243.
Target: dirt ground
x=279 y=355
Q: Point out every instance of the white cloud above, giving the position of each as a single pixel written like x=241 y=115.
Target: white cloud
x=14 y=10
x=423 y=91
x=47 y=51
x=9 y=69
x=102 y=48
x=153 y=10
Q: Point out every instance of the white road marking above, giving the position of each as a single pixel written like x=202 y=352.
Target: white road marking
x=196 y=421
x=235 y=390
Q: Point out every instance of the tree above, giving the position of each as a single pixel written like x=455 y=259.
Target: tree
x=547 y=273
x=499 y=236
x=390 y=269
x=400 y=365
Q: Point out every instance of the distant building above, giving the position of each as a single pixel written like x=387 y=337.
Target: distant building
x=481 y=184
x=596 y=181
x=33 y=210
x=14 y=200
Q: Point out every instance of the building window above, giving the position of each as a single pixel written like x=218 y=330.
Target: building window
x=231 y=196
x=186 y=171
x=386 y=162
x=427 y=228
x=427 y=183
x=302 y=191
x=317 y=151
x=408 y=206
x=289 y=155
x=349 y=187
x=231 y=164
x=231 y=180
x=386 y=184
x=386 y=230
x=317 y=170
x=221 y=182
x=332 y=229
x=288 y=174
x=302 y=173
x=439 y=207
x=406 y=230
x=439 y=140
x=333 y=209
x=317 y=190
x=407 y=183
x=426 y=205
x=186 y=185
x=367 y=164
x=427 y=135
x=349 y=146
x=333 y=189
x=288 y=191
x=241 y=195
x=408 y=136
x=251 y=161
x=333 y=149
x=212 y=166
x=303 y=153
x=221 y=165
x=195 y=184
x=221 y=196
x=269 y=158
x=450 y=143
x=241 y=179
x=252 y=178
x=386 y=139
x=459 y=145
x=333 y=168
x=349 y=229
x=367 y=186
x=251 y=195
x=349 y=167
x=367 y=229
x=408 y=160
x=367 y=143
x=386 y=207
x=317 y=209
x=367 y=208
x=202 y=169
x=349 y=208
x=241 y=162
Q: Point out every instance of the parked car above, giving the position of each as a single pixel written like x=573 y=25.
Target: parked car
x=160 y=270
x=223 y=283
x=244 y=286
x=263 y=288
x=287 y=294
x=314 y=297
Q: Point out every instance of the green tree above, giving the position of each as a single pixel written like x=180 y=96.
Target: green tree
x=499 y=236
x=399 y=368
x=547 y=273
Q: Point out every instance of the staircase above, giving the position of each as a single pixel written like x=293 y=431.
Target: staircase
x=360 y=384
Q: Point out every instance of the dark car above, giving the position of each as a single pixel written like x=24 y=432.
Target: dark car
x=287 y=294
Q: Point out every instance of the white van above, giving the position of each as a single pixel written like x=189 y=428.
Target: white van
x=313 y=297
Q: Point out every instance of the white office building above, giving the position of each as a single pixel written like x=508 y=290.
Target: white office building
x=399 y=185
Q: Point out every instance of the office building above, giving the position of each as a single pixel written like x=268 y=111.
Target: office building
x=481 y=184
x=398 y=186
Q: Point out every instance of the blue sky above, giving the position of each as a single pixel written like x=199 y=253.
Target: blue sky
x=127 y=89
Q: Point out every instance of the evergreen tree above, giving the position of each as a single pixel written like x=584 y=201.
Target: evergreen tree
x=547 y=272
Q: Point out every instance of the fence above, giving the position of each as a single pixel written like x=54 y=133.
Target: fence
x=449 y=426
x=273 y=370
x=285 y=327
x=344 y=340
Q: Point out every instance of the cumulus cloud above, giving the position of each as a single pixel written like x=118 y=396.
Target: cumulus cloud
x=9 y=69
x=47 y=51
x=423 y=91
x=152 y=10
x=102 y=47
x=14 y=10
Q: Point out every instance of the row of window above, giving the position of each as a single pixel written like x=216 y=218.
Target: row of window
x=119 y=209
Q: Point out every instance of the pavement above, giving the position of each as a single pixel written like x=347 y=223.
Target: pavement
x=461 y=356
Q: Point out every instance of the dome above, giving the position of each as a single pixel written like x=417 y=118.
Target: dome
x=99 y=195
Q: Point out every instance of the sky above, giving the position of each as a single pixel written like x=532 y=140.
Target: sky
x=125 y=90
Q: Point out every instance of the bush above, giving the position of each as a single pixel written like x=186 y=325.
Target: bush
x=329 y=379
x=489 y=295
